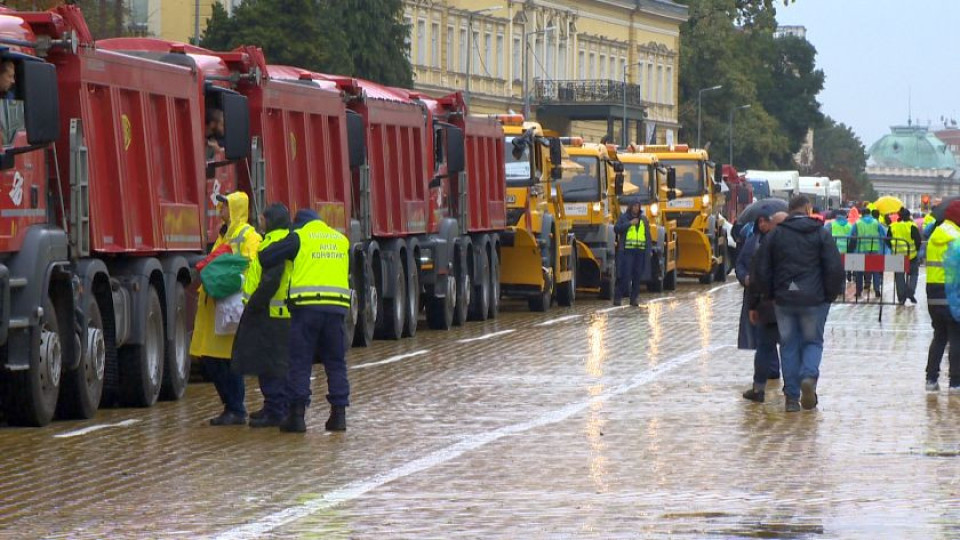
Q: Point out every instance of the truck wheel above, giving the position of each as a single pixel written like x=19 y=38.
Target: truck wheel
x=707 y=278
x=494 y=310
x=81 y=388
x=30 y=396
x=141 y=366
x=395 y=309
x=464 y=287
x=480 y=303
x=413 y=299
x=567 y=292
x=440 y=310
x=721 y=271
x=656 y=276
x=176 y=369
x=542 y=301
x=367 y=311
x=670 y=282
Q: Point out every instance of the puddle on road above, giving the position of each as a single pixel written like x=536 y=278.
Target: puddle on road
x=728 y=525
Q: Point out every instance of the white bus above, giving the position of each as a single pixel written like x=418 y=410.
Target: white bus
x=783 y=184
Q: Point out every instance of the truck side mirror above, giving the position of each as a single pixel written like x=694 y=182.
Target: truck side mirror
x=556 y=158
x=456 y=161
x=617 y=166
x=356 y=139
x=718 y=177
x=37 y=87
x=671 y=178
x=618 y=182
x=236 y=125
x=519 y=145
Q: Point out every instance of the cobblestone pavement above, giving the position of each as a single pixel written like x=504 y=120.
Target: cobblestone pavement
x=590 y=422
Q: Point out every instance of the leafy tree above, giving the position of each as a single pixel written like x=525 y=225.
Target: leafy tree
x=839 y=154
x=377 y=39
x=105 y=18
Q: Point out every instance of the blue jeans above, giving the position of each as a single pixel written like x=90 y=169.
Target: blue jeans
x=906 y=283
x=766 y=360
x=801 y=344
x=229 y=386
x=313 y=333
x=274 y=390
x=876 y=277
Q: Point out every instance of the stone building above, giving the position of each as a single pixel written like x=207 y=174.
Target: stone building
x=579 y=55
x=910 y=162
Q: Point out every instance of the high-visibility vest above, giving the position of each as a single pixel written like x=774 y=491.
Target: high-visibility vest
x=868 y=236
x=637 y=236
x=278 y=304
x=902 y=232
x=840 y=232
x=928 y=219
x=321 y=269
x=937 y=249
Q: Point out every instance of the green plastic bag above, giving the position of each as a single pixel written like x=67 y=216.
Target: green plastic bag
x=223 y=276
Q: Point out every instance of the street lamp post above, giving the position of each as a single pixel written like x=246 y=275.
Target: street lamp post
x=700 y=106
x=626 y=67
x=470 y=15
x=526 y=92
x=734 y=109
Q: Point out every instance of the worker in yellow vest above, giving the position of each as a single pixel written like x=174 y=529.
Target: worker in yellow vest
x=903 y=238
x=841 y=229
x=633 y=253
x=945 y=328
x=319 y=299
x=260 y=347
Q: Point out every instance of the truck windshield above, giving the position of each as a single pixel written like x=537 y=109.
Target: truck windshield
x=518 y=169
x=581 y=183
x=761 y=189
x=637 y=182
x=689 y=177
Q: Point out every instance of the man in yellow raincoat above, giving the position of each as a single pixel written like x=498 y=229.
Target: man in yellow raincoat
x=214 y=349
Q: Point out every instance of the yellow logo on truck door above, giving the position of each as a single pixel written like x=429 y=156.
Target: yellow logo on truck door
x=127 y=131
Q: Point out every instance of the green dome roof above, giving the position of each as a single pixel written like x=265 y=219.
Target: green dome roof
x=911 y=147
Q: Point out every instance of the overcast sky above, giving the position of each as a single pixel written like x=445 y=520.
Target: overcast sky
x=876 y=53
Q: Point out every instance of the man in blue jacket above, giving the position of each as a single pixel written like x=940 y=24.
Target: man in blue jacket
x=633 y=252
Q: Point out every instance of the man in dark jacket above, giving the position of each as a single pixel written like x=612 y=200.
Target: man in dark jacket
x=758 y=316
x=633 y=252
x=800 y=269
x=260 y=347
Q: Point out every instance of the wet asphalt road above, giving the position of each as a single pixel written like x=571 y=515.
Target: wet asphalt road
x=590 y=422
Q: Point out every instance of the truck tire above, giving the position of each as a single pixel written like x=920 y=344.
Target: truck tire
x=368 y=303
x=670 y=282
x=30 y=396
x=656 y=276
x=480 y=301
x=81 y=388
x=141 y=366
x=567 y=291
x=440 y=310
x=413 y=298
x=176 y=369
x=720 y=275
x=494 y=310
x=464 y=286
x=395 y=309
x=608 y=284
x=707 y=278
x=541 y=302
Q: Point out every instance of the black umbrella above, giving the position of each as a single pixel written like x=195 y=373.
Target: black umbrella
x=763 y=207
x=941 y=208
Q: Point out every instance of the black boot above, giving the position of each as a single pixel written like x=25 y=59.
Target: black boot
x=294 y=422
x=338 y=418
x=265 y=420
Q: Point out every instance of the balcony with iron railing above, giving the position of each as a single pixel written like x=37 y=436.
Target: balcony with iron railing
x=588 y=92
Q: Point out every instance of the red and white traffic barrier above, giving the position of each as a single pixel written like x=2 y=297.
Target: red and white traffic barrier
x=875 y=262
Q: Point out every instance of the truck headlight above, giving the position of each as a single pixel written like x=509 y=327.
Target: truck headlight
x=705 y=199
x=654 y=209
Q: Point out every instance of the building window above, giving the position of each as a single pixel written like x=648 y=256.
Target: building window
x=659 y=84
x=612 y=72
x=463 y=50
x=408 y=22
x=550 y=56
x=450 y=50
x=640 y=78
x=499 y=56
x=603 y=66
x=649 y=81
x=487 y=54
x=421 y=42
x=593 y=66
x=582 y=65
x=562 y=61
x=435 y=45
x=517 y=59
x=669 y=85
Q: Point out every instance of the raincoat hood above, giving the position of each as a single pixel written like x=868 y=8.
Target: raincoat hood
x=239 y=204
x=276 y=217
x=868 y=219
x=304 y=216
x=941 y=239
x=841 y=220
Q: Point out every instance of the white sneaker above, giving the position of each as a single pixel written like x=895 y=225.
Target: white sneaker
x=933 y=386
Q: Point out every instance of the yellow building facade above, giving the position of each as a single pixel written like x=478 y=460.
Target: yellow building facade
x=176 y=20
x=578 y=53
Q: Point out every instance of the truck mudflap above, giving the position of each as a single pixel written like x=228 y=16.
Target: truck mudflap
x=588 y=269
x=521 y=264
x=694 y=252
x=4 y=303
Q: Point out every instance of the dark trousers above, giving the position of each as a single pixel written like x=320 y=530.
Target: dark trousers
x=876 y=277
x=906 y=283
x=945 y=330
x=229 y=386
x=766 y=359
x=274 y=390
x=313 y=331
x=629 y=273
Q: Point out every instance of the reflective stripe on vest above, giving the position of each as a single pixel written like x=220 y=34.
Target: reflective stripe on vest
x=840 y=232
x=868 y=237
x=937 y=249
x=901 y=232
x=237 y=241
x=278 y=305
x=637 y=236
x=321 y=268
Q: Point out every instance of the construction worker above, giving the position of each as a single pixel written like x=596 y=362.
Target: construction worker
x=260 y=347
x=904 y=239
x=841 y=229
x=867 y=237
x=945 y=328
x=634 y=244
x=319 y=299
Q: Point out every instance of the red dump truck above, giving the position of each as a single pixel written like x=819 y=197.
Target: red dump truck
x=96 y=248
